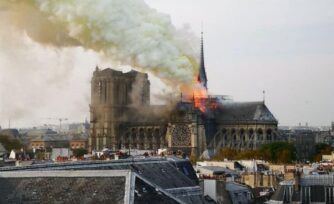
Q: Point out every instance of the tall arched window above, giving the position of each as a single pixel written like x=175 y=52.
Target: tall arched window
x=242 y=134
x=269 y=134
x=260 y=133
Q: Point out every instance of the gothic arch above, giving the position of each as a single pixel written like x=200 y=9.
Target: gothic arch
x=260 y=133
x=269 y=134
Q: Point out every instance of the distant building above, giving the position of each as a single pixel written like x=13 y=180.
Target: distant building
x=323 y=137
x=305 y=142
x=259 y=179
x=79 y=141
x=78 y=128
x=50 y=141
x=11 y=133
x=60 y=152
x=307 y=189
x=329 y=157
x=218 y=173
x=73 y=141
x=27 y=135
x=227 y=192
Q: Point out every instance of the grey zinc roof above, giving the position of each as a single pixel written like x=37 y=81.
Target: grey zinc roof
x=159 y=173
x=244 y=111
x=39 y=132
x=317 y=180
x=146 y=193
x=279 y=194
x=233 y=187
x=55 y=187
x=52 y=137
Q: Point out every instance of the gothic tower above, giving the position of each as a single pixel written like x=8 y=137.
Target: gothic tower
x=112 y=93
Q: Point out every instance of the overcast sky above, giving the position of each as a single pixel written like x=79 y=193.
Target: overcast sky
x=285 y=47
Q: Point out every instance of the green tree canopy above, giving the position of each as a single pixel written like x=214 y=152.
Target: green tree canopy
x=10 y=144
x=321 y=149
x=80 y=152
x=276 y=152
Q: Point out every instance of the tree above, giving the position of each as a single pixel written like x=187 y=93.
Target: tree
x=278 y=152
x=225 y=153
x=247 y=154
x=321 y=149
x=10 y=144
x=193 y=159
x=79 y=152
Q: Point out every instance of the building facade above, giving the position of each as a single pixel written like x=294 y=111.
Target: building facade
x=121 y=117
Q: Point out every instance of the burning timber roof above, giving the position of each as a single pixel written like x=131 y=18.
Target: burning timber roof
x=244 y=111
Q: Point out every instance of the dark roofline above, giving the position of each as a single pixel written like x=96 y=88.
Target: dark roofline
x=255 y=122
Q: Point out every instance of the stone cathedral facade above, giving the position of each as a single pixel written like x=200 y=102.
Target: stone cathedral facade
x=121 y=117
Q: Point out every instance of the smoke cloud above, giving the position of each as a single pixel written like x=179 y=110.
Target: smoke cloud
x=124 y=31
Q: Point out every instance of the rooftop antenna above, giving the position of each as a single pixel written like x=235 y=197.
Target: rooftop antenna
x=264 y=96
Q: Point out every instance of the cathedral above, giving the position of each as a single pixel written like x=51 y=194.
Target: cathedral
x=121 y=117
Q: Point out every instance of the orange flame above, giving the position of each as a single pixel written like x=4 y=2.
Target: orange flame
x=200 y=95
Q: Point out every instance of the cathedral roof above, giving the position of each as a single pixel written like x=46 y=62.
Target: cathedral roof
x=245 y=111
x=145 y=114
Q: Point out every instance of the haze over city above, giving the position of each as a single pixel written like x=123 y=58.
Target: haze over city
x=249 y=47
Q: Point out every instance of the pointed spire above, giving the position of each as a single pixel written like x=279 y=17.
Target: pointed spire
x=202 y=73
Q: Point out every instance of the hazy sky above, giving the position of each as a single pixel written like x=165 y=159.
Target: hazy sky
x=285 y=47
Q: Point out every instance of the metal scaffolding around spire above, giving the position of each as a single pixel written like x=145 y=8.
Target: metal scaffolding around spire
x=202 y=73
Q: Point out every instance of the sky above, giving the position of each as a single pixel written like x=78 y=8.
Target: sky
x=285 y=47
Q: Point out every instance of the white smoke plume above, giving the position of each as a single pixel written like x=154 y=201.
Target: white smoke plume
x=39 y=41
x=125 y=31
